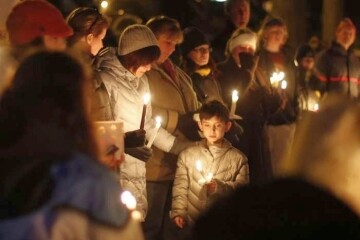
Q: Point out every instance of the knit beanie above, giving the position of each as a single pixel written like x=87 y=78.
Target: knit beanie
x=31 y=19
x=135 y=37
x=346 y=23
x=241 y=37
x=304 y=51
x=193 y=38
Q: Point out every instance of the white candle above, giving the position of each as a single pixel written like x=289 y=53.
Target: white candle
x=283 y=84
x=158 y=125
x=146 y=102
x=234 y=98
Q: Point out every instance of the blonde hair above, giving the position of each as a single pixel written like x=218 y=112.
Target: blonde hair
x=268 y=24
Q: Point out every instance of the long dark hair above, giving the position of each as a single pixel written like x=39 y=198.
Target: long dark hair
x=48 y=89
x=43 y=120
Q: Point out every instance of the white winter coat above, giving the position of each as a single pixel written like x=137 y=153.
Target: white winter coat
x=126 y=94
x=228 y=166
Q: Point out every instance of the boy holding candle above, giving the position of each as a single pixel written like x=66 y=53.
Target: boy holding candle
x=208 y=170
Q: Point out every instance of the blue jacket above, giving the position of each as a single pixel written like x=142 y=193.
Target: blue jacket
x=80 y=183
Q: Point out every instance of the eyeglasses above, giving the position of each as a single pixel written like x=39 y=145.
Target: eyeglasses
x=203 y=50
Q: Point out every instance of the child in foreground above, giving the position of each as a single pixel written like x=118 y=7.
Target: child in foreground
x=208 y=170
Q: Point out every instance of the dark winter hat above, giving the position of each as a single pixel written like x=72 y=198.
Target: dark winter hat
x=193 y=38
x=35 y=18
x=304 y=51
x=135 y=37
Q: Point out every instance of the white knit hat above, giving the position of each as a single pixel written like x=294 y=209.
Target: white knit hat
x=135 y=37
x=242 y=37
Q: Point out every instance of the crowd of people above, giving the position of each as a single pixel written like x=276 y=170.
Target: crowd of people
x=254 y=143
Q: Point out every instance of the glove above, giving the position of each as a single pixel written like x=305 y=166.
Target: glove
x=248 y=61
x=142 y=153
x=188 y=126
x=135 y=138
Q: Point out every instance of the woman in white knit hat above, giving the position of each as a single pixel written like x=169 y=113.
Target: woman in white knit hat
x=122 y=71
x=256 y=103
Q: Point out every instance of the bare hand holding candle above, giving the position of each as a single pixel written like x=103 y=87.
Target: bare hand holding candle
x=158 y=125
x=146 y=102
x=234 y=98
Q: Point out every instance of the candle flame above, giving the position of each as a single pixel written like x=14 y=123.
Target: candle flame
x=198 y=165
x=129 y=200
x=209 y=177
x=283 y=84
x=235 y=95
x=147 y=98
x=276 y=77
x=158 y=121
x=316 y=107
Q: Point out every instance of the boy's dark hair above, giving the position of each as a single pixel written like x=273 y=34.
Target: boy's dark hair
x=214 y=109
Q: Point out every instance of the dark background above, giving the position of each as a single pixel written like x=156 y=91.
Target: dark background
x=305 y=18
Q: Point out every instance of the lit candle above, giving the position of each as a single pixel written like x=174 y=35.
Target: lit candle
x=276 y=77
x=283 y=84
x=128 y=200
x=198 y=166
x=146 y=102
x=234 y=98
x=208 y=177
x=158 y=125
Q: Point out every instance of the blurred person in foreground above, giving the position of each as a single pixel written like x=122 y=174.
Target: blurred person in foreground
x=31 y=25
x=317 y=194
x=52 y=186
